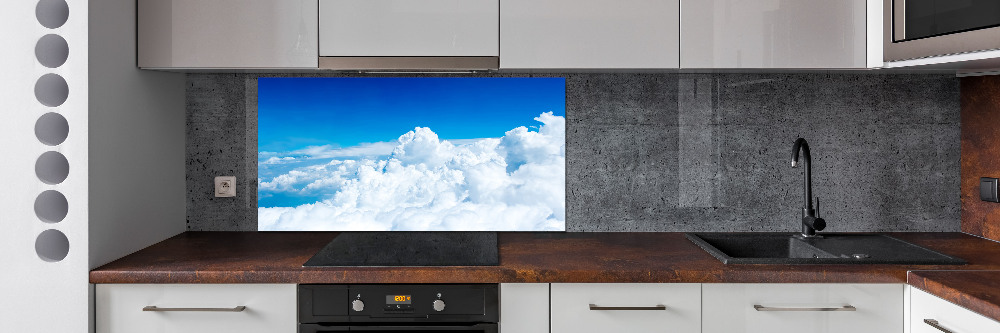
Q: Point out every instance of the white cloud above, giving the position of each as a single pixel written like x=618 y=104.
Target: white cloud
x=516 y=182
x=278 y=160
x=328 y=151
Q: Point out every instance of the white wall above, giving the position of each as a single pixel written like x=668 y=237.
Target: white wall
x=137 y=185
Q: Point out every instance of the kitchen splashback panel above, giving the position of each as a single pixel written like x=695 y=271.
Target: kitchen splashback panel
x=681 y=152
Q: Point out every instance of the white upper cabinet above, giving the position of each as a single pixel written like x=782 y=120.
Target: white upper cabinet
x=589 y=34
x=227 y=34
x=409 y=28
x=779 y=33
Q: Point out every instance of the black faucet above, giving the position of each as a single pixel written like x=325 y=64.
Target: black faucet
x=810 y=222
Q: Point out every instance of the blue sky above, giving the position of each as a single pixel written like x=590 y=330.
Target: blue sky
x=294 y=113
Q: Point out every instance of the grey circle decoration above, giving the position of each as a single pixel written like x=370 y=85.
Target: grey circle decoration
x=51 y=129
x=51 y=90
x=52 y=245
x=51 y=51
x=52 y=168
x=51 y=206
x=52 y=13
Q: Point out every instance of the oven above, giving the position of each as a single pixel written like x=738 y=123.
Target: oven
x=465 y=308
x=927 y=28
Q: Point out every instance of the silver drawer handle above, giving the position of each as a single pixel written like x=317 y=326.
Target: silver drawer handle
x=935 y=324
x=234 y=309
x=759 y=307
x=630 y=308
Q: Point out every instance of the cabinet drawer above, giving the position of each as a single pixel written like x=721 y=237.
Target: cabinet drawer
x=949 y=316
x=729 y=308
x=633 y=308
x=269 y=308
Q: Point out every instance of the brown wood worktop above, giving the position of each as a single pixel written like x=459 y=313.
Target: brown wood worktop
x=978 y=291
x=277 y=257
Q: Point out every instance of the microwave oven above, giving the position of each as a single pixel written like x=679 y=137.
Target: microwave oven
x=915 y=29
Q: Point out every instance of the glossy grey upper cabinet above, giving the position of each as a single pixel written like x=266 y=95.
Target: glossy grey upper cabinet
x=409 y=28
x=221 y=34
x=780 y=34
x=584 y=34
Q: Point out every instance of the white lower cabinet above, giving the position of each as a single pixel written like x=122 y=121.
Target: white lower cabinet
x=930 y=314
x=802 y=308
x=196 y=308
x=626 y=307
x=570 y=308
x=524 y=308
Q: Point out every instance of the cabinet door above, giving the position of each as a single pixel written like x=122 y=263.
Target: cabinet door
x=589 y=34
x=802 y=308
x=951 y=317
x=409 y=28
x=626 y=307
x=227 y=34
x=524 y=308
x=269 y=308
x=773 y=34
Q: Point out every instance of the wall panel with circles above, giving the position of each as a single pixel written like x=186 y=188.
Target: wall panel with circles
x=52 y=129
x=45 y=222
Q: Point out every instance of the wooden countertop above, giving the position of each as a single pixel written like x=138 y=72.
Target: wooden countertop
x=978 y=291
x=277 y=257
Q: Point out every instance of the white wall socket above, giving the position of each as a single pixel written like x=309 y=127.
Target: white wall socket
x=225 y=186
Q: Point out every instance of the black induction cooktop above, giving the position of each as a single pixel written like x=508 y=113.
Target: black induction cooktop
x=409 y=249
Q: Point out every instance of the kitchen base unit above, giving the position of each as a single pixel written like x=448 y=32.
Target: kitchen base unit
x=626 y=307
x=930 y=314
x=802 y=308
x=195 y=308
x=524 y=308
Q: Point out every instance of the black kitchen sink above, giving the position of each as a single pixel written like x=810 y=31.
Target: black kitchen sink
x=789 y=248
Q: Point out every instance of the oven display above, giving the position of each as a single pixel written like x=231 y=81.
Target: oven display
x=397 y=299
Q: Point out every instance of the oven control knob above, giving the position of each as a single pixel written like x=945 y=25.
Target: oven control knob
x=358 y=305
x=438 y=305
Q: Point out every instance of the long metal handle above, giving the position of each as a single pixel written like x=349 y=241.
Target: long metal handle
x=233 y=309
x=759 y=307
x=630 y=308
x=935 y=324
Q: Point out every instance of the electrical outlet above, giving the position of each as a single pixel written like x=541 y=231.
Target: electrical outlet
x=225 y=186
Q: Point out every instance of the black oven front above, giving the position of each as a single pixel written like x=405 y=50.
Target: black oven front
x=454 y=308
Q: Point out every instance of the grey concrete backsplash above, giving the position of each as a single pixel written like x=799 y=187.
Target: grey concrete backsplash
x=681 y=152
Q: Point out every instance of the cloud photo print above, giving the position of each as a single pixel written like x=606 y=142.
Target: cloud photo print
x=411 y=154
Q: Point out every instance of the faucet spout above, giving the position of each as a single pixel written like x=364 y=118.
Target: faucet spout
x=810 y=222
